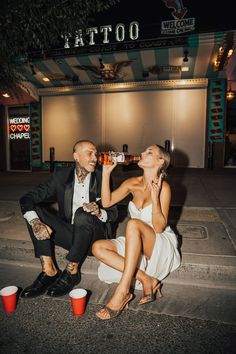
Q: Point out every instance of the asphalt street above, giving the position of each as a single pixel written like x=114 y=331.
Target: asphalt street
x=47 y=325
x=43 y=326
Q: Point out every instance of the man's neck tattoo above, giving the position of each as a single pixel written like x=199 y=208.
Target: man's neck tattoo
x=81 y=173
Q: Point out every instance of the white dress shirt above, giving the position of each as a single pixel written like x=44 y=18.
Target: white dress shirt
x=80 y=196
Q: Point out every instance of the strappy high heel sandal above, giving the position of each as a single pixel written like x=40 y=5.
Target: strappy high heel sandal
x=114 y=313
x=152 y=296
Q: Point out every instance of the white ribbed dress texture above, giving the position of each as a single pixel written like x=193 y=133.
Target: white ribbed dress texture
x=165 y=257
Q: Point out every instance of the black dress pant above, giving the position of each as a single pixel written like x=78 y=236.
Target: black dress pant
x=77 y=238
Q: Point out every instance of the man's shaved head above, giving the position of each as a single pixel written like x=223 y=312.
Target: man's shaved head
x=80 y=143
x=85 y=156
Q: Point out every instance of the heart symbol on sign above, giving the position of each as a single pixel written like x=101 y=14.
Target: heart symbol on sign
x=13 y=127
x=20 y=127
x=26 y=127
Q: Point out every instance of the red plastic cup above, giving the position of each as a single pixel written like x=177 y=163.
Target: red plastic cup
x=8 y=295
x=78 y=301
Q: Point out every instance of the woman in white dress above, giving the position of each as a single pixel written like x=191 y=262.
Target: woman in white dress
x=149 y=250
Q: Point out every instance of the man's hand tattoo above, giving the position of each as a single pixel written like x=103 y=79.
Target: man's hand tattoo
x=41 y=231
x=92 y=208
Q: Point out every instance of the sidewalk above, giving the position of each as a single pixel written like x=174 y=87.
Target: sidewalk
x=203 y=214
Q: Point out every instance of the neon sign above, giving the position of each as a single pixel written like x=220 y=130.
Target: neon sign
x=19 y=128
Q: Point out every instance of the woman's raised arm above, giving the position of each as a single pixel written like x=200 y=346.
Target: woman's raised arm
x=110 y=198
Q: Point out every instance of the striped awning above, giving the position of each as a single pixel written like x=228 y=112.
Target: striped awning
x=148 y=61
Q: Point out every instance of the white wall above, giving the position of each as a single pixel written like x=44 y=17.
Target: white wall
x=138 y=119
x=188 y=131
x=66 y=119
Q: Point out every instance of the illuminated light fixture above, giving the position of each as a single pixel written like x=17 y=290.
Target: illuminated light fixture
x=46 y=79
x=185 y=58
x=230 y=94
x=6 y=95
x=184 y=68
x=230 y=52
x=224 y=53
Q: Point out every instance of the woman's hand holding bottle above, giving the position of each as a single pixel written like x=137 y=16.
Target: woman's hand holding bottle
x=107 y=169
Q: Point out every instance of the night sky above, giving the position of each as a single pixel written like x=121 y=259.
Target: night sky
x=150 y=13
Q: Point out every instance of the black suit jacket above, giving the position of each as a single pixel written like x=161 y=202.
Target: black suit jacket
x=60 y=188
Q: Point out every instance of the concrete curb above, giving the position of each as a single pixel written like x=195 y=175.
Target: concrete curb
x=195 y=269
x=179 y=299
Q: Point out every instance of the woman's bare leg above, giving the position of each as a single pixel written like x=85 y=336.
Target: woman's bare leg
x=106 y=252
x=139 y=238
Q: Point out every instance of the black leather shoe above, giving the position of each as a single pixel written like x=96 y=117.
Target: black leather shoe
x=40 y=285
x=64 y=284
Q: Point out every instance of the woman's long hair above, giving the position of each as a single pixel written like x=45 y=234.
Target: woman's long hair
x=166 y=157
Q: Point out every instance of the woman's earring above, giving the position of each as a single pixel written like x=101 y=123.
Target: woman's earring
x=164 y=174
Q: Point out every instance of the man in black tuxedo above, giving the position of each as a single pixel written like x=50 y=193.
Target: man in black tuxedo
x=79 y=222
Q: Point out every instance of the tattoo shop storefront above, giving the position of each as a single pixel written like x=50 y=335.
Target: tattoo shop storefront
x=169 y=90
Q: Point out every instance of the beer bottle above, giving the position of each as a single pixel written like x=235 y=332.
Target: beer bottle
x=121 y=158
